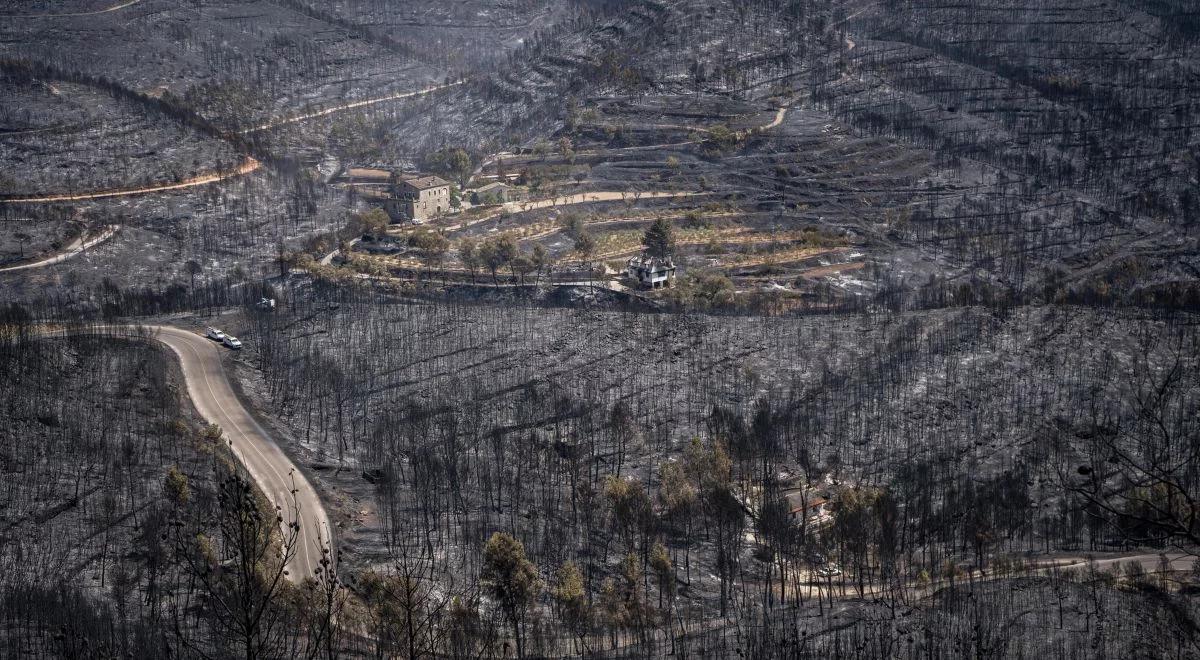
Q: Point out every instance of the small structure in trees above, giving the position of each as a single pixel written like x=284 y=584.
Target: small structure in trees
x=652 y=272
x=807 y=505
x=495 y=193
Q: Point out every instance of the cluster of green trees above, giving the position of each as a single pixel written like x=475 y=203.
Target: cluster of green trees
x=453 y=163
x=504 y=251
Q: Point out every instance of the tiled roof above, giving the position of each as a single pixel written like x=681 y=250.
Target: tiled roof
x=426 y=182
x=799 y=500
x=652 y=264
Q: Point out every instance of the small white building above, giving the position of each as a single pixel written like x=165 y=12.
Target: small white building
x=808 y=506
x=652 y=272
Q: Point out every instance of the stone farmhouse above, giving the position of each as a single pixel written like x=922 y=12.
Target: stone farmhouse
x=419 y=199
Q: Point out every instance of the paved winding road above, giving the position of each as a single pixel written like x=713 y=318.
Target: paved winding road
x=271 y=469
x=276 y=475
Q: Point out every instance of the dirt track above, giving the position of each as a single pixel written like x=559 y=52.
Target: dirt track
x=78 y=246
x=276 y=123
x=113 y=8
x=247 y=166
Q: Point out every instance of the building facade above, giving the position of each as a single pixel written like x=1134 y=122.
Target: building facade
x=810 y=506
x=652 y=272
x=420 y=199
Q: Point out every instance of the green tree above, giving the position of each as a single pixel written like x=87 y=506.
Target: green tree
x=521 y=266
x=571 y=597
x=450 y=162
x=631 y=586
x=659 y=239
x=540 y=259
x=372 y=222
x=631 y=508
x=506 y=245
x=469 y=255
x=433 y=246
x=585 y=246
x=612 y=609
x=707 y=290
x=720 y=140
x=212 y=434
x=511 y=579
x=506 y=252
x=664 y=572
x=572 y=224
x=175 y=487
x=490 y=257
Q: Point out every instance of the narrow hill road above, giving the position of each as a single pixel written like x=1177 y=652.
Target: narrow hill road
x=249 y=165
x=116 y=7
x=213 y=396
x=571 y=200
x=78 y=246
x=276 y=123
x=276 y=475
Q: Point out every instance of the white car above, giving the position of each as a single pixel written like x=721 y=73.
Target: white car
x=214 y=334
x=232 y=342
x=831 y=570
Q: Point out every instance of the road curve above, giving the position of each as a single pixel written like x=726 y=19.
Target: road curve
x=78 y=246
x=116 y=7
x=570 y=200
x=284 y=121
x=249 y=165
x=211 y=393
x=271 y=469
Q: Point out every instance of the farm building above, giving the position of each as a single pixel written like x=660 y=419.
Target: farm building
x=808 y=506
x=495 y=193
x=652 y=272
x=420 y=198
x=416 y=198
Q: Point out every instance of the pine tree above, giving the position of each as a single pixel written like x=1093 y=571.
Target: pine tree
x=511 y=579
x=659 y=239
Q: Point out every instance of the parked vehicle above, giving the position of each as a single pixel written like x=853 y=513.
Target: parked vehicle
x=831 y=570
x=232 y=342
x=266 y=304
x=214 y=334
